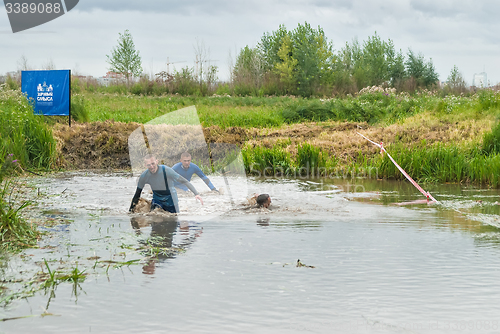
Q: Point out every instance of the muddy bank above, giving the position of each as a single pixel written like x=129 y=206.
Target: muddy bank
x=99 y=145
x=104 y=145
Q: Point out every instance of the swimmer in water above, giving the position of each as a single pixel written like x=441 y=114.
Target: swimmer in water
x=263 y=200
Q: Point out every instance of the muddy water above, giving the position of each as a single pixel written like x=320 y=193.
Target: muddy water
x=378 y=267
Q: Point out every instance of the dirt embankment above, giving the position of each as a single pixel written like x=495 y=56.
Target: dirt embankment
x=99 y=145
x=104 y=145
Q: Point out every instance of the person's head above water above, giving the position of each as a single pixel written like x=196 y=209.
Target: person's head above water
x=185 y=160
x=151 y=163
x=263 y=200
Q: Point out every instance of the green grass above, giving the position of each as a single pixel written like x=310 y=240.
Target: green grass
x=262 y=161
x=278 y=161
x=442 y=163
x=438 y=163
x=262 y=112
x=24 y=134
x=491 y=140
x=224 y=112
x=78 y=111
x=445 y=162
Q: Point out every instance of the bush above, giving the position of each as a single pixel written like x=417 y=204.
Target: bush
x=307 y=110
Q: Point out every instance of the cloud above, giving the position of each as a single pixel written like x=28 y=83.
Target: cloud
x=463 y=10
x=462 y=32
x=186 y=8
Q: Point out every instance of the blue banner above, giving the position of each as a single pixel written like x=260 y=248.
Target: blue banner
x=49 y=91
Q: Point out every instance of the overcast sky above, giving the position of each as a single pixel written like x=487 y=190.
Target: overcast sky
x=451 y=32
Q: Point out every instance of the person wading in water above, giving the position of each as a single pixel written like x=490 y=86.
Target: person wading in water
x=161 y=179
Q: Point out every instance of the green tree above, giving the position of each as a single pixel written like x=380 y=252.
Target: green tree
x=308 y=48
x=344 y=67
x=248 y=70
x=421 y=71
x=375 y=62
x=397 y=72
x=269 y=46
x=125 y=59
x=314 y=56
x=455 y=82
x=287 y=67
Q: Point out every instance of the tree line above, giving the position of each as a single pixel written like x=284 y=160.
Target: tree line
x=299 y=62
x=303 y=62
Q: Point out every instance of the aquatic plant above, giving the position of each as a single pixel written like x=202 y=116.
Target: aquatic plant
x=442 y=163
x=311 y=157
x=15 y=232
x=54 y=277
x=263 y=161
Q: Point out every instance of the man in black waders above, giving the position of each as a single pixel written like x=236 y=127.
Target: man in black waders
x=161 y=179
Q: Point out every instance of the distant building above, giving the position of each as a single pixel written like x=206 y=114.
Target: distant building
x=83 y=77
x=114 y=75
x=112 y=78
x=480 y=80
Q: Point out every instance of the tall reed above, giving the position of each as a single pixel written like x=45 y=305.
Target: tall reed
x=15 y=232
x=442 y=163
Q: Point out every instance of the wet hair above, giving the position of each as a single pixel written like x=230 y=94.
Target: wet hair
x=185 y=155
x=149 y=156
x=261 y=199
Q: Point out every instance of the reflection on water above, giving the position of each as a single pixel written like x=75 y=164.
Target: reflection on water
x=378 y=267
x=168 y=236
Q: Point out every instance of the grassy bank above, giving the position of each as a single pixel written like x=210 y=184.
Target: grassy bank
x=285 y=135
x=26 y=143
x=375 y=106
x=438 y=163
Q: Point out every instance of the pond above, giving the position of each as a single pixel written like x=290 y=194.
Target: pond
x=328 y=256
